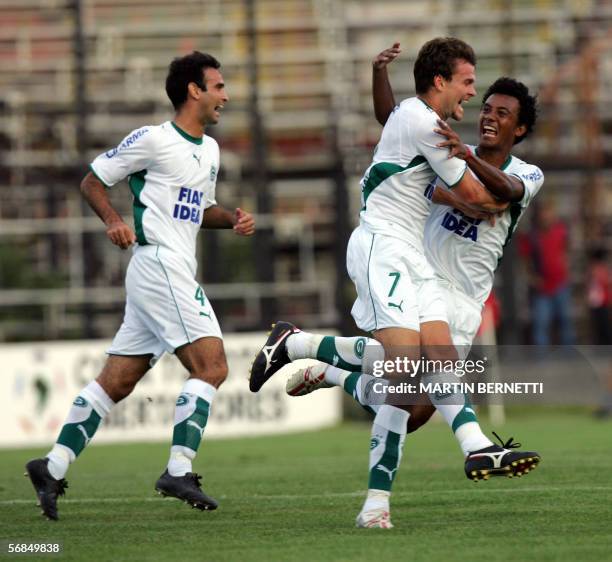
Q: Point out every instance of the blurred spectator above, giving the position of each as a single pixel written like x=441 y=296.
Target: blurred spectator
x=545 y=249
x=598 y=297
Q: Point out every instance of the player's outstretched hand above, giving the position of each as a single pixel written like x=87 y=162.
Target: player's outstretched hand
x=383 y=58
x=453 y=142
x=244 y=223
x=120 y=234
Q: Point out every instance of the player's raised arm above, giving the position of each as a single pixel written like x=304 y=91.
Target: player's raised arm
x=95 y=194
x=504 y=187
x=382 y=94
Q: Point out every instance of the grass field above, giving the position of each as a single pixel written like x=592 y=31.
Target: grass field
x=295 y=498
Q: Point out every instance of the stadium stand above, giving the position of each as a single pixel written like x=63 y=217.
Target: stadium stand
x=61 y=279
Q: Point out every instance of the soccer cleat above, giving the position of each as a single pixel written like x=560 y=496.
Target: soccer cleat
x=47 y=488
x=273 y=355
x=374 y=519
x=186 y=488
x=304 y=381
x=499 y=460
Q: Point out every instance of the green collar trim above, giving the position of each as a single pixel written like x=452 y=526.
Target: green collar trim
x=426 y=104
x=507 y=162
x=186 y=136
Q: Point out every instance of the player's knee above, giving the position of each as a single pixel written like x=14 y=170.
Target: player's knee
x=219 y=374
x=116 y=387
x=419 y=416
x=214 y=373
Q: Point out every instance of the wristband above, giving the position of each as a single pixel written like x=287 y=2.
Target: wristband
x=468 y=153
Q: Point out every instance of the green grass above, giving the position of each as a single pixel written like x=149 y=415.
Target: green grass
x=295 y=498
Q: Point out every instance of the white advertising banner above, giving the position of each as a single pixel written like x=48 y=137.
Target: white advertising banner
x=40 y=380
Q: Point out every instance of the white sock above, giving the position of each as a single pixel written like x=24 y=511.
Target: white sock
x=61 y=455
x=180 y=460
x=354 y=354
x=459 y=415
x=377 y=499
x=303 y=345
x=192 y=411
x=335 y=376
x=60 y=458
x=386 y=445
x=471 y=438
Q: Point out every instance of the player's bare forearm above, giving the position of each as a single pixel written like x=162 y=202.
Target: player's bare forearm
x=95 y=194
x=506 y=188
x=443 y=196
x=218 y=217
x=471 y=191
x=240 y=221
x=382 y=93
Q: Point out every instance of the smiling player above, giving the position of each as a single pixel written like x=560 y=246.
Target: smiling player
x=172 y=170
x=463 y=251
x=399 y=298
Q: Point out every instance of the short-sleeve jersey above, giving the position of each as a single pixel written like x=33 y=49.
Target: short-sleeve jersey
x=396 y=188
x=466 y=251
x=172 y=176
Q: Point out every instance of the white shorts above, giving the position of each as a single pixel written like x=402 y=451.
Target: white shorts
x=396 y=285
x=165 y=307
x=464 y=317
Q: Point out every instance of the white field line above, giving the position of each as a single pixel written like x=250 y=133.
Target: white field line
x=301 y=497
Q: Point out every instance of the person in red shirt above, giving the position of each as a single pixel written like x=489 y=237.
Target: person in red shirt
x=545 y=249
x=598 y=297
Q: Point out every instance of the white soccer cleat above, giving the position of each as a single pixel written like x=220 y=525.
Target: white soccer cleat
x=306 y=380
x=374 y=519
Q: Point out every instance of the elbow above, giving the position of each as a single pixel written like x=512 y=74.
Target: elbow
x=515 y=194
x=510 y=191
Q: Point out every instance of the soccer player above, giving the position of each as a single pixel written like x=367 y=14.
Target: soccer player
x=392 y=257
x=172 y=170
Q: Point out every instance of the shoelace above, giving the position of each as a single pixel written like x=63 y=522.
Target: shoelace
x=196 y=478
x=508 y=444
x=61 y=487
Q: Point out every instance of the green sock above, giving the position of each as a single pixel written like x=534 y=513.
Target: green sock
x=356 y=385
x=345 y=353
x=386 y=444
x=88 y=410
x=190 y=418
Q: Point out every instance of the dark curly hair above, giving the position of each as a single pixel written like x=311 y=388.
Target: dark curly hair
x=438 y=57
x=184 y=70
x=528 y=111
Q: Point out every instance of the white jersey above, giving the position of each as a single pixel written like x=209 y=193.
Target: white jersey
x=172 y=176
x=396 y=187
x=466 y=251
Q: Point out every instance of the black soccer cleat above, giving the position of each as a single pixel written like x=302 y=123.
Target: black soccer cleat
x=186 y=488
x=273 y=355
x=500 y=461
x=47 y=488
